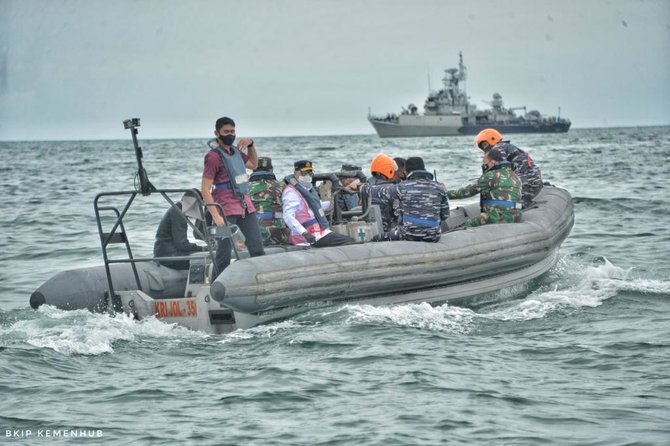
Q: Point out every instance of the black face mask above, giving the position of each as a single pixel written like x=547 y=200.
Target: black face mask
x=227 y=140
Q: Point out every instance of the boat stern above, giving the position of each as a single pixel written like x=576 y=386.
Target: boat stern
x=197 y=313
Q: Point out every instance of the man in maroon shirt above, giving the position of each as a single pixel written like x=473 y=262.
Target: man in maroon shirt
x=225 y=181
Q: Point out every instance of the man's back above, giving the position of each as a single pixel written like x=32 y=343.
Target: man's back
x=525 y=168
x=423 y=204
x=501 y=183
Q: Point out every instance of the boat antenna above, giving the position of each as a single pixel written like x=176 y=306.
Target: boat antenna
x=145 y=185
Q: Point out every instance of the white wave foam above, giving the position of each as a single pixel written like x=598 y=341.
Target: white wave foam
x=85 y=333
x=265 y=331
x=591 y=286
x=421 y=315
x=646 y=286
x=574 y=286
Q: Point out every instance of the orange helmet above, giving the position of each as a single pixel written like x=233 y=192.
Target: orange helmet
x=491 y=136
x=384 y=165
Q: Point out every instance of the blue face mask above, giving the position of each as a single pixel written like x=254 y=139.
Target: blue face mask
x=227 y=140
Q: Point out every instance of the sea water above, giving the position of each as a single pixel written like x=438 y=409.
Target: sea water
x=580 y=355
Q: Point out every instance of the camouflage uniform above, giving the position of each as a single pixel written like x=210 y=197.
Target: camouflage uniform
x=499 y=183
x=389 y=219
x=420 y=205
x=525 y=168
x=266 y=192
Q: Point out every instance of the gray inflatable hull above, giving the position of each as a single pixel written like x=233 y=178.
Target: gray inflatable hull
x=462 y=260
x=86 y=288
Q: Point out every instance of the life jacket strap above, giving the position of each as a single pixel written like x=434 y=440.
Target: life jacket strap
x=226 y=185
x=430 y=223
x=502 y=203
x=311 y=222
x=269 y=215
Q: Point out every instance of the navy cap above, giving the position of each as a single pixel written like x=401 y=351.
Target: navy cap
x=303 y=166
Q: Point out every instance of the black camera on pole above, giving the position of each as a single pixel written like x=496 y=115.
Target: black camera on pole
x=131 y=123
x=145 y=186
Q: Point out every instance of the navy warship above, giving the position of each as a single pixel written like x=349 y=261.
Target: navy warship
x=448 y=112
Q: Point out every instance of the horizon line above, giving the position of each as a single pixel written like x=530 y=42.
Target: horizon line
x=308 y=136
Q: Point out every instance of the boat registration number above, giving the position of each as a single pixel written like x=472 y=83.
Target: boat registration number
x=176 y=308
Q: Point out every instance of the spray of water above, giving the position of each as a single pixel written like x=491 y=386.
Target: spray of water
x=80 y=332
x=568 y=285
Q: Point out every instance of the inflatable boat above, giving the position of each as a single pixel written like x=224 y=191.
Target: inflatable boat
x=285 y=282
x=289 y=280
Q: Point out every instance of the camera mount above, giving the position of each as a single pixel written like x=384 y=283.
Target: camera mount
x=145 y=185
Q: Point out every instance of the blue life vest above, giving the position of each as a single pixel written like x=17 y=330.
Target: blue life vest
x=237 y=171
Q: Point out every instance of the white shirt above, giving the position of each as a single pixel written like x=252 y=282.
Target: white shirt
x=292 y=201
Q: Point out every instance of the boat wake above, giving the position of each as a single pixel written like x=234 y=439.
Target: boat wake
x=265 y=331
x=567 y=287
x=80 y=332
x=444 y=318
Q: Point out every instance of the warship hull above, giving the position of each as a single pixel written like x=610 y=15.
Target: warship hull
x=516 y=128
x=447 y=127
x=388 y=129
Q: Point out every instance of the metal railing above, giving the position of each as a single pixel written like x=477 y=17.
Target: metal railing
x=118 y=234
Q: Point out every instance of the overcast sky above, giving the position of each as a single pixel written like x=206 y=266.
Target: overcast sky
x=76 y=69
